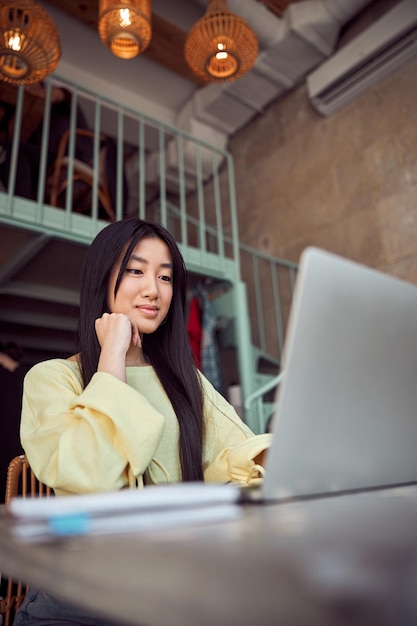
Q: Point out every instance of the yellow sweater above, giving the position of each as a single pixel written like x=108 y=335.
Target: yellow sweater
x=110 y=434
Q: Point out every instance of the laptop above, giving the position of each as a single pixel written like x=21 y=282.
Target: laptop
x=346 y=410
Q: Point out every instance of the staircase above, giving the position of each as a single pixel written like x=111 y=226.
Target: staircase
x=262 y=305
x=175 y=179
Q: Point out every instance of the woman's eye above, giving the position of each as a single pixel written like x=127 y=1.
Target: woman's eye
x=168 y=279
x=133 y=270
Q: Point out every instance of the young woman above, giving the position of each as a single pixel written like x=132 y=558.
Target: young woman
x=130 y=409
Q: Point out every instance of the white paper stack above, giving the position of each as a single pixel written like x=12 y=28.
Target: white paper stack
x=152 y=508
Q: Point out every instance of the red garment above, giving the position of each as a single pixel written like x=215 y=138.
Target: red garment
x=195 y=330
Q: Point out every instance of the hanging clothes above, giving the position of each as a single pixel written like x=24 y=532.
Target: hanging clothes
x=195 y=330
x=210 y=358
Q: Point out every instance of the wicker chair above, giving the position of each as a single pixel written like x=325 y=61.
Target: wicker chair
x=82 y=175
x=21 y=481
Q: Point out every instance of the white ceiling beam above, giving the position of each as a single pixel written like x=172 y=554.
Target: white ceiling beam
x=41 y=292
x=22 y=258
x=38 y=320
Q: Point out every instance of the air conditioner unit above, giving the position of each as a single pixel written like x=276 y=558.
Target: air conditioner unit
x=379 y=51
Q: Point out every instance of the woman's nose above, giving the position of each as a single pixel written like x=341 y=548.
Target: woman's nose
x=150 y=288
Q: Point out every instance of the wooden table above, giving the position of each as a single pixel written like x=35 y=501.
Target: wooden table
x=336 y=561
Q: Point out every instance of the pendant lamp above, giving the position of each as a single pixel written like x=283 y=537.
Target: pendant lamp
x=221 y=46
x=30 y=47
x=125 y=26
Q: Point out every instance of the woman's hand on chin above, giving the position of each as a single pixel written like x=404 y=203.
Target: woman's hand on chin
x=115 y=333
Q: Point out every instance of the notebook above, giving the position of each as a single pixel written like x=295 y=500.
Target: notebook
x=161 y=507
x=346 y=410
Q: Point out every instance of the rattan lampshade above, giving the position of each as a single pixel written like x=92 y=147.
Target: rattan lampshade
x=221 y=45
x=30 y=47
x=125 y=26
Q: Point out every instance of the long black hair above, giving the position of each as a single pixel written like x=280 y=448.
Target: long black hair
x=167 y=349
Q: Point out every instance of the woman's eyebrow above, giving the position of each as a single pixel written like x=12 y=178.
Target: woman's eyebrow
x=140 y=259
x=135 y=257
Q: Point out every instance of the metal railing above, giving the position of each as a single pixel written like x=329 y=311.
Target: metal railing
x=164 y=174
x=270 y=283
x=151 y=160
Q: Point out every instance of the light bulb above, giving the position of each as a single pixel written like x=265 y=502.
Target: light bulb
x=221 y=54
x=15 y=43
x=125 y=18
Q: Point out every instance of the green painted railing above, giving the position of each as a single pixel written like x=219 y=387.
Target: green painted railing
x=189 y=187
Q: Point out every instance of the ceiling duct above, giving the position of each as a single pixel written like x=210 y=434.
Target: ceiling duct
x=291 y=47
x=383 y=48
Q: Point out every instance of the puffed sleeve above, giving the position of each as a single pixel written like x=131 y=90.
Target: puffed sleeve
x=230 y=446
x=84 y=440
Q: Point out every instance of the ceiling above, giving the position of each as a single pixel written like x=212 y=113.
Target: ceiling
x=294 y=37
x=39 y=275
x=39 y=285
x=168 y=38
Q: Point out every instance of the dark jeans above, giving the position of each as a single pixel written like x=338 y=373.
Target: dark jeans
x=42 y=609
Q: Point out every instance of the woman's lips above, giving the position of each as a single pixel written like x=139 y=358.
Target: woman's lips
x=149 y=311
